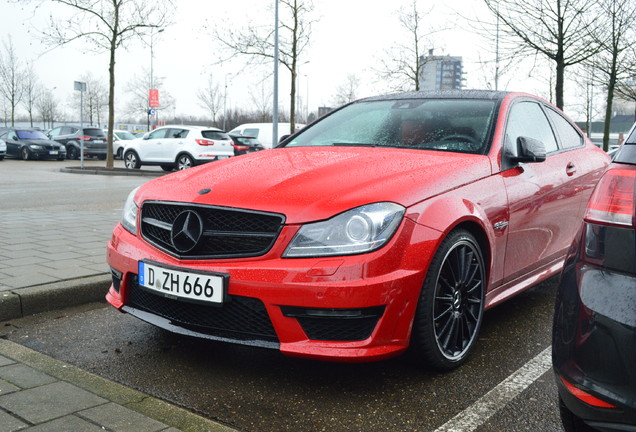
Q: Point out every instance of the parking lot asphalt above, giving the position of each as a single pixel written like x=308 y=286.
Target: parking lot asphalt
x=50 y=261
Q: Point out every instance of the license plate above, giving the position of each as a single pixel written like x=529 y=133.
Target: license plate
x=53 y=152
x=181 y=283
x=98 y=141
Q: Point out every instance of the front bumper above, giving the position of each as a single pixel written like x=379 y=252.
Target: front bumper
x=353 y=308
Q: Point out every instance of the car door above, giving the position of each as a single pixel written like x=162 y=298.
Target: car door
x=543 y=196
x=173 y=144
x=151 y=147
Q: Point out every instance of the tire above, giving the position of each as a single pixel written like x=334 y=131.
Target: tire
x=25 y=154
x=101 y=157
x=131 y=160
x=72 y=152
x=572 y=423
x=1 y=157
x=184 y=161
x=167 y=167
x=451 y=304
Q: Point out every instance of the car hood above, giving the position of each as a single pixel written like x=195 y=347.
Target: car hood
x=309 y=184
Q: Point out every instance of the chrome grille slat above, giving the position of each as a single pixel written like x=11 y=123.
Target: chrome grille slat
x=227 y=232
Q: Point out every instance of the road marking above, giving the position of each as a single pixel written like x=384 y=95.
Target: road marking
x=486 y=406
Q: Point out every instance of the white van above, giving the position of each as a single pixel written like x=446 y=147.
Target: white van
x=263 y=131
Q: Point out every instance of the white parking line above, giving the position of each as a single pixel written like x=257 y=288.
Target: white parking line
x=486 y=406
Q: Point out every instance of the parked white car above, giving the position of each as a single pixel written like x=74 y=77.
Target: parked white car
x=178 y=147
x=264 y=132
x=3 y=149
x=119 y=141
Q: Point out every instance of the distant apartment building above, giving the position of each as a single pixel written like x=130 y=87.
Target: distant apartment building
x=440 y=72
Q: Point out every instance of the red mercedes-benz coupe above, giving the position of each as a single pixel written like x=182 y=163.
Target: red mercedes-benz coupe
x=394 y=221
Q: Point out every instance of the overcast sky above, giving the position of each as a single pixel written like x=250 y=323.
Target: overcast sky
x=348 y=38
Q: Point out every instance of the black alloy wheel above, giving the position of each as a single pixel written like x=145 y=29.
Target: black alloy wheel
x=25 y=153
x=184 y=161
x=72 y=153
x=451 y=305
x=131 y=160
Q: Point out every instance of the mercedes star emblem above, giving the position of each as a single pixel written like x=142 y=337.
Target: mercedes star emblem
x=186 y=231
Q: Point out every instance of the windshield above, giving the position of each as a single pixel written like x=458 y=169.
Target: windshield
x=125 y=135
x=456 y=125
x=27 y=134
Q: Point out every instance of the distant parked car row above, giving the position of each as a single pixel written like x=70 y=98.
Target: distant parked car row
x=170 y=147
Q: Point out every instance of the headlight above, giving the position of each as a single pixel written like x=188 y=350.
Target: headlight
x=362 y=229
x=35 y=146
x=129 y=214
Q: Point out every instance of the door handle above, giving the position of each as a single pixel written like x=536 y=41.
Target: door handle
x=570 y=169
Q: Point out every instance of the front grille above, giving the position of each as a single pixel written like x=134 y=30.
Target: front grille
x=226 y=232
x=239 y=318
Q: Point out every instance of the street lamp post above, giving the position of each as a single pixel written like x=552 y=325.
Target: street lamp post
x=152 y=83
x=275 y=107
x=81 y=87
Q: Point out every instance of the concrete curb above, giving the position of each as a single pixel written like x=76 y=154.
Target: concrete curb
x=112 y=171
x=21 y=302
x=142 y=403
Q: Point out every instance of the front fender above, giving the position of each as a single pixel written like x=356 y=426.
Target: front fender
x=482 y=206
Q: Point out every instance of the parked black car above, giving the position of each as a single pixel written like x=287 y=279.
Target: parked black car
x=28 y=144
x=245 y=144
x=95 y=141
x=594 y=337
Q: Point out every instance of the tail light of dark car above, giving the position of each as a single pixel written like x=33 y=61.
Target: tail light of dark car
x=204 y=142
x=240 y=147
x=612 y=202
x=609 y=221
x=85 y=138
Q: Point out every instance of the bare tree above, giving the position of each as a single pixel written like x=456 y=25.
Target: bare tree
x=617 y=40
x=47 y=108
x=348 y=90
x=95 y=98
x=257 y=42
x=138 y=87
x=31 y=89
x=627 y=89
x=11 y=75
x=400 y=65
x=261 y=99
x=108 y=25
x=210 y=97
x=560 y=30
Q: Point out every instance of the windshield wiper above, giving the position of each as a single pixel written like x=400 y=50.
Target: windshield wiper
x=346 y=144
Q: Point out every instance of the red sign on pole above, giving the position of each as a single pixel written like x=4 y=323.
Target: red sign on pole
x=153 y=98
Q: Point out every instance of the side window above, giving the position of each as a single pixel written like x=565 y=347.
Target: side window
x=159 y=133
x=67 y=130
x=12 y=135
x=528 y=120
x=178 y=133
x=251 y=132
x=54 y=132
x=568 y=135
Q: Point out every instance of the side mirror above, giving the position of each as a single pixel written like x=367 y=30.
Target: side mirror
x=283 y=138
x=529 y=150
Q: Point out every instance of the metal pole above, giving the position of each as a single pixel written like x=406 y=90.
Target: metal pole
x=275 y=108
x=82 y=127
x=225 y=103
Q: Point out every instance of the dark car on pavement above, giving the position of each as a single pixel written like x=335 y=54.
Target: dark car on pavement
x=245 y=144
x=594 y=338
x=28 y=144
x=95 y=141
